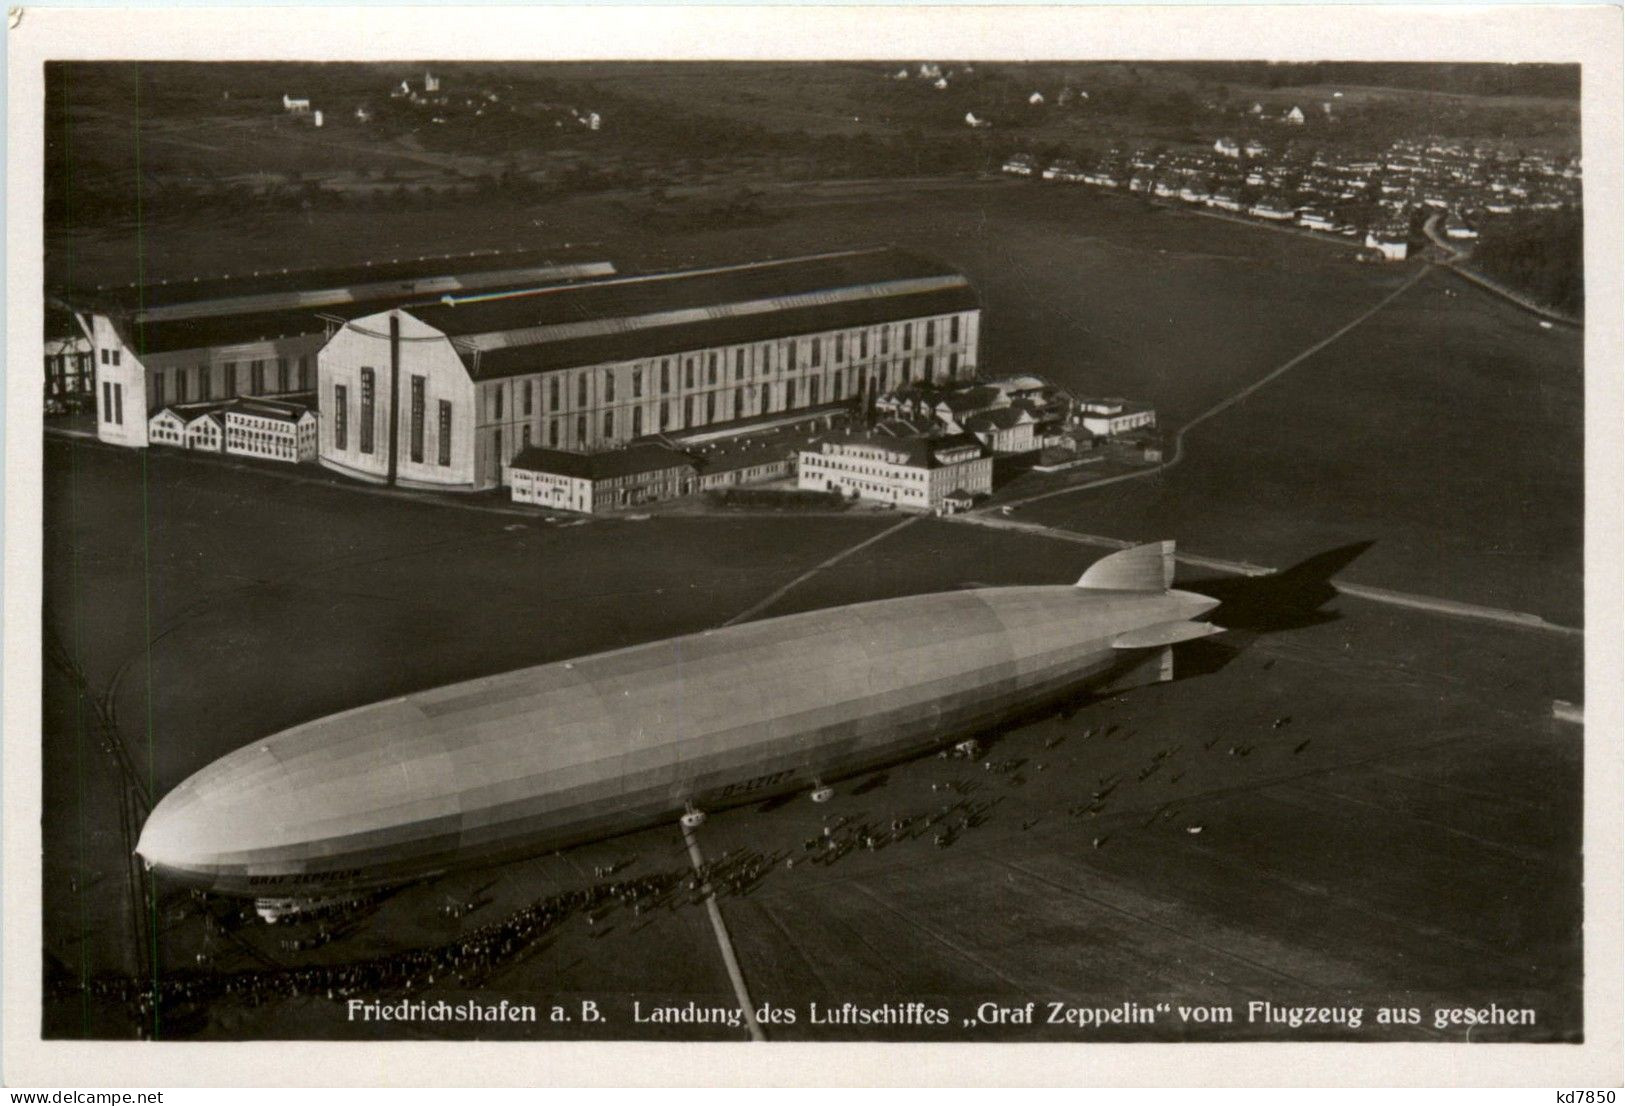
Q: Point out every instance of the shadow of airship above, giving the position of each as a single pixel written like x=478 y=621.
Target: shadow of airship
x=1291 y=599
x=1249 y=606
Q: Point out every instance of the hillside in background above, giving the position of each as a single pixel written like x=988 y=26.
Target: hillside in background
x=198 y=136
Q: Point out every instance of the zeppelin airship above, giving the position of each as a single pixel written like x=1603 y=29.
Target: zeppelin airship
x=562 y=753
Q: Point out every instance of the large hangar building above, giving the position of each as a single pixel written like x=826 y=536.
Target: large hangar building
x=446 y=393
x=216 y=339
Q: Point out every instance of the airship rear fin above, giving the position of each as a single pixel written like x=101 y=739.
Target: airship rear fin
x=1164 y=633
x=1142 y=568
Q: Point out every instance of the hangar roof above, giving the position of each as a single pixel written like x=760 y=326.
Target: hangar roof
x=165 y=295
x=183 y=315
x=622 y=319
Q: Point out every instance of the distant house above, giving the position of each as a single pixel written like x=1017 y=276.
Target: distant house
x=1455 y=227
x=1255 y=148
x=1315 y=219
x=1274 y=209
x=940 y=83
x=1227 y=147
x=1021 y=165
x=1293 y=116
x=1391 y=241
x=295 y=107
x=431 y=83
x=1194 y=192
x=1036 y=98
x=363 y=114
x=1065 y=170
x=971 y=120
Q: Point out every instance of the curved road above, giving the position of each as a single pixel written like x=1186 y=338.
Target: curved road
x=1456 y=262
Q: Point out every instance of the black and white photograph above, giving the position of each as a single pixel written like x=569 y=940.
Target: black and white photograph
x=844 y=541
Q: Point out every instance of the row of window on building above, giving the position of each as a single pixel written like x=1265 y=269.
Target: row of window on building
x=725 y=404
x=196 y=383
x=714 y=373
x=367 y=420
x=244 y=430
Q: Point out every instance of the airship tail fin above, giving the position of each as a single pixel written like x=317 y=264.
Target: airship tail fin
x=1142 y=568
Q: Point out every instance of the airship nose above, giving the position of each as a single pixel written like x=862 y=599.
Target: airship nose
x=165 y=840
x=195 y=826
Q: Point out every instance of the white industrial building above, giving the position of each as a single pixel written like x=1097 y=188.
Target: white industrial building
x=275 y=430
x=214 y=339
x=595 y=482
x=445 y=393
x=908 y=470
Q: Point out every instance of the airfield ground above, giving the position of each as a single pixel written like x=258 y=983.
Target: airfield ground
x=1448 y=428
x=1410 y=838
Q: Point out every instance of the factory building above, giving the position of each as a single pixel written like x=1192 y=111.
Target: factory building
x=216 y=339
x=900 y=464
x=594 y=482
x=275 y=430
x=447 y=393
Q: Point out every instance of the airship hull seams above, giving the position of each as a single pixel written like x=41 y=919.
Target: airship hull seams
x=579 y=814
x=538 y=756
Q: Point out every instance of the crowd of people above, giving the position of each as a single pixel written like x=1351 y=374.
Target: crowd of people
x=478 y=953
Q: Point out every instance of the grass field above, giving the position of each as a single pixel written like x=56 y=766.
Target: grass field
x=1410 y=837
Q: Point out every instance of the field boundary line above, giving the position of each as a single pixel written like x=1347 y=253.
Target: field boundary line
x=1434 y=604
x=828 y=562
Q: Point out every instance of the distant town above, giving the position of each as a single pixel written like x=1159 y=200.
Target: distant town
x=1381 y=198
